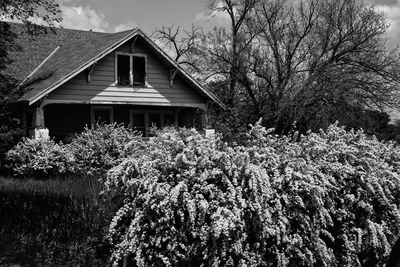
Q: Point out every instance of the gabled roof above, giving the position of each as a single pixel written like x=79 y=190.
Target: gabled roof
x=30 y=50
x=54 y=58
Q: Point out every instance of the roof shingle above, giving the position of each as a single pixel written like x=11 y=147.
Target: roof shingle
x=30 y=50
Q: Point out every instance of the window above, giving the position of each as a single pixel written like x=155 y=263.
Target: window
x=138 y=122
x=123 y=69
x=102 y=115
x=169 y=119
x=143 y=120
x=139 y=69
x=130 y=69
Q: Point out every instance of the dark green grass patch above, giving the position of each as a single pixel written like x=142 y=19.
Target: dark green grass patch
x=52 y=223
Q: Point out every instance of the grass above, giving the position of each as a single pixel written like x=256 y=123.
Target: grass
x=75 y=187
x=59 y=222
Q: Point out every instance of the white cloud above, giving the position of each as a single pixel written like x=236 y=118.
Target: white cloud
x=126 y=26
x=393 y=15
x=219 y=17
x=83 y=18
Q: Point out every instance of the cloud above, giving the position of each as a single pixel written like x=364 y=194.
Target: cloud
x=392 y=12
x=126 y=26
x=384 y=2
x=219 y=17
x=82 y=18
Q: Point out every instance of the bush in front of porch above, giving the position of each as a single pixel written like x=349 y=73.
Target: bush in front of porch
x=40 y=158
x=91 y=153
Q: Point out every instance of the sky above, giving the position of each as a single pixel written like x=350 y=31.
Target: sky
x=392 y=10
x=119 y=15
x=149 y=15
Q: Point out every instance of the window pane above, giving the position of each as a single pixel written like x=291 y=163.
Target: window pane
x=123 y=69
x=169 y=119
x=139 y=69
x=102 y=116
x=138 y=123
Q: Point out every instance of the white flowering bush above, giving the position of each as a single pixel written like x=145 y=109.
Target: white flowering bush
x=98 y=149
x=324 y=199
x=40 y=159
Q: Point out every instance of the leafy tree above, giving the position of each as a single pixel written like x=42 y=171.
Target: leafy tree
x=27 y=12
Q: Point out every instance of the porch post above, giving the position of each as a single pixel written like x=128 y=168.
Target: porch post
x=201 y=121
x=40 y=131
x=176 y=122
x=205 y=123
x=24 y=122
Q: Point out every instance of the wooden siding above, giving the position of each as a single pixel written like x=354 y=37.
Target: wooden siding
x=102 y=86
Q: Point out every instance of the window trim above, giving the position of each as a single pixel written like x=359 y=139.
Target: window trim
x=146 y=113
x=93 y=109
x=131 y=55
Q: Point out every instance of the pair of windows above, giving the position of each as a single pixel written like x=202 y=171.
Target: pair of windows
x=140 y=120
x=131 y=69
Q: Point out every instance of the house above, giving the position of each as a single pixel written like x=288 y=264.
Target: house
x=74 y=78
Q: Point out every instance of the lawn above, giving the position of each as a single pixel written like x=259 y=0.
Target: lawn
x=59 y=222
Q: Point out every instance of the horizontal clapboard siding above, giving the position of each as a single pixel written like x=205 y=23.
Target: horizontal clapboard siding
x=125 y=99
x=102 y=84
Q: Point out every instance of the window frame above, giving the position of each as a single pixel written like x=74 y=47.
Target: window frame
x=131 y=55
x=93 y=109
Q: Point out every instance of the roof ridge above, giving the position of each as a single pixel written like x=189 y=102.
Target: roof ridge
x=54 y=27
x=69 y=29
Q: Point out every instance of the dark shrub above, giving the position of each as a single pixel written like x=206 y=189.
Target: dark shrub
x=330 y=199
x=9 y=137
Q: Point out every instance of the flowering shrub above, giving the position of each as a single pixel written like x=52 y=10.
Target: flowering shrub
x=324 y=199
x=99 y=149
x=40 y=158
x=92 y=152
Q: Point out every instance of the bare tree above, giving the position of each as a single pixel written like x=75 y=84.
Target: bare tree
x=323 y=55
x=182 y=44
x=311 y=61
x=231 y=46
x=308 y=60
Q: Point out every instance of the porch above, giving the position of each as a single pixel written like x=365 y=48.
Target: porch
x=63 y=120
